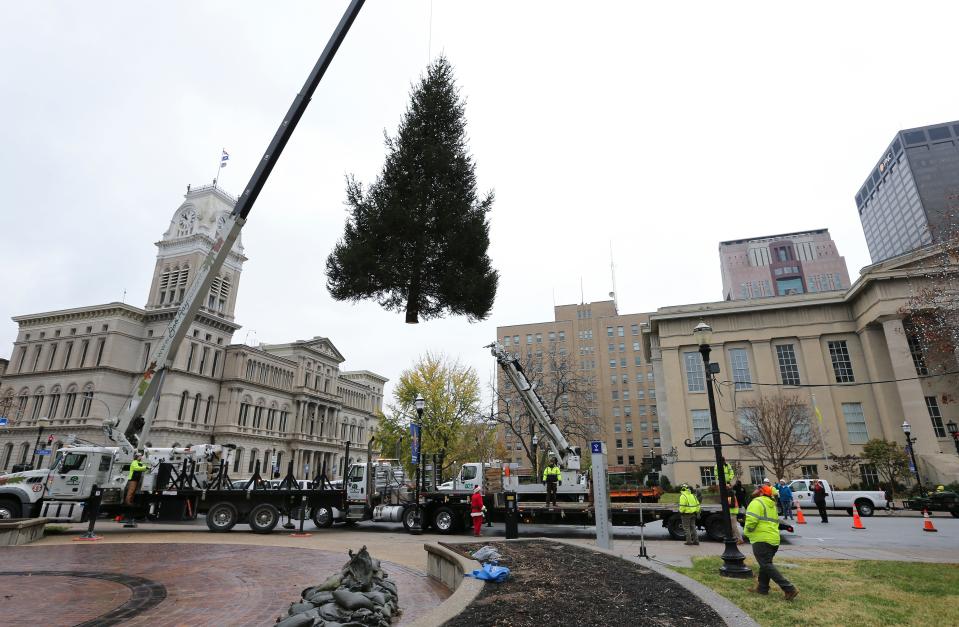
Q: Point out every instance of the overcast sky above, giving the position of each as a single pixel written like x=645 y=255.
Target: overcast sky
x=657 y=129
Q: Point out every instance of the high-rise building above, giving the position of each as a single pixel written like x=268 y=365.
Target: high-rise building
x=911 y=197
x=595 y=357
x=72 y=368
x=780 y=265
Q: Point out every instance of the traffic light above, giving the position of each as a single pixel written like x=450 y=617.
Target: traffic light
x=50 y=439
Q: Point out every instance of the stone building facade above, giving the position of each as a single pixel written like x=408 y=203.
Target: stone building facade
x=70 y=369
x=849 y=349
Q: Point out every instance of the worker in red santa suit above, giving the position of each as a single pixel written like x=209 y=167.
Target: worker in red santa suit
x=476 y=510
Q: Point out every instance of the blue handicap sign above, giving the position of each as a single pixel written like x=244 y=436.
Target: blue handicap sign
x=596 y=446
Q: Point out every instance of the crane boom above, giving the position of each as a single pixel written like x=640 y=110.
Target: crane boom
x=567 y=456
x=131 y=426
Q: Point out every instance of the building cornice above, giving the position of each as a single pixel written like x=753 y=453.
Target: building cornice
x=81 y=313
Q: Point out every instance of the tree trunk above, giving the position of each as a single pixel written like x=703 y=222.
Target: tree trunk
x=413 y=303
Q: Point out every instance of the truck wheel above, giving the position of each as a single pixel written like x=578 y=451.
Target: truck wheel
x=409 y=518
x=9 y=509
x=221 y=517
x=674 y=525
x=716 y=528
x=444 y=520
x=263 y=518
x=865 y=507
x=323 y=517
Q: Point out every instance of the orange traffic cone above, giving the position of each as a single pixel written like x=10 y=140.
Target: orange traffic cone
x=856 y=521
x=800 y=519
x=927 y=522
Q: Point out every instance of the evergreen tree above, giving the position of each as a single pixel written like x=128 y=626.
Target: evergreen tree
x=417 y=238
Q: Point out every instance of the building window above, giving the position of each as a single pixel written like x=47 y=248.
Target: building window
x=855 y=423
x=757 y=474
x=196 y=407
x=619 y=443
x=841 y=364
x=539 y=338
x=552 y=336
x=53 y=353
x=68 y=406
x=619 y=460
x=619 y=331
x=146 y=355
x=203 y=357
x=788 y=368
x=612 y=363
x=209 y=409
x=634 y=329
x=83 y=352
x=707 y=475
x=869 y=475
x=810 y=471
x=237 y=457
x=100 y=345
x=695 y=376
x=740 y=363
x=632 y=460
x=562 y=336
x=918 y=355
x=629 y=442
x=506 y=341
x=609 y=331
x=252 y=464
x=183 y=397
x=36 y=358
x=932 y=406
x=87 y=400
x=617 y=428
x=702 y=426
x=529 y=338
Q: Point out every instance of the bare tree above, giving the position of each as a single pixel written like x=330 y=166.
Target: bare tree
x=780 y=430
x=845 y=465
x=566 y=391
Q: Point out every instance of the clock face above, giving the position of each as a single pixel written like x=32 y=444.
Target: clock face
x=187 y=222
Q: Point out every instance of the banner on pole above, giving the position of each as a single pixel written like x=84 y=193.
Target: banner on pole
x=414 y=443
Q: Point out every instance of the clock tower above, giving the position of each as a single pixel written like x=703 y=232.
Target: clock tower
x=184 y=246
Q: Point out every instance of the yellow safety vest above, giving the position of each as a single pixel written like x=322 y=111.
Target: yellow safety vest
x=551 y=470
x=688 y=503
x=760 y=525
x=136 y=466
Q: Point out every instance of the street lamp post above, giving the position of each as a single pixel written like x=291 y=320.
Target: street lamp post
x=733 y=560
x=953 y=429
x=535 y=444
x=41 y=421
x=907 y=429
x=418 y=517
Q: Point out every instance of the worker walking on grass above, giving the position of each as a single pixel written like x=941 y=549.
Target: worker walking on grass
x=137 y=468
x=552 y=478
x=476 y=511
x=762 y=529
x=689 y=510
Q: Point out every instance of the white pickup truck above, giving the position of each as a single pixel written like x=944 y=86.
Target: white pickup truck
x=866 y=501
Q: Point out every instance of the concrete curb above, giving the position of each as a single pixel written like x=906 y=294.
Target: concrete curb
x=449 y=569
x=731 y=613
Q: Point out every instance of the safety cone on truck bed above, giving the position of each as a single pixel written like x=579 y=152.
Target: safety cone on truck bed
x=800 y=519
x=927 y=522
x=856 y=521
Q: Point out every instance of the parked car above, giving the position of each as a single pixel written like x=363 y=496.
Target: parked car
x=866 y=501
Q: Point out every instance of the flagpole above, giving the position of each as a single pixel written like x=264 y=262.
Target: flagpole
x=219 y=167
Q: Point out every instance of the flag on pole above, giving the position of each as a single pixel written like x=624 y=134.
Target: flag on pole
x=224 y=158
x=818 y=413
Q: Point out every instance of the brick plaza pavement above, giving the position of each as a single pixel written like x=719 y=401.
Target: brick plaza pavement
x=201 y=584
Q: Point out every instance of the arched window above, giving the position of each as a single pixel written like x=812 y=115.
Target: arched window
x=237 y=458
x=253 y=454
x=53 y=406
x=209 y=411
x=70 y=401
x=23 y=452
x=196 y=407
x=86 y=400
x=182 y=408
x=37 y=403
x=6 y=456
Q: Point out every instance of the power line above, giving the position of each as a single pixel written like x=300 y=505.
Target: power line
x=843 y=385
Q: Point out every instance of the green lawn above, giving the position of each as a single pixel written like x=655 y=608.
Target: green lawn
x=844 y=592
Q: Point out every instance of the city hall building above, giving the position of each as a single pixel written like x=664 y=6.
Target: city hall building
x=70 y=369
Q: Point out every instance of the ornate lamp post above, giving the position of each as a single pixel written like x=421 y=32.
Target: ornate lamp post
x=733 y=560
x=41 y=422
x=907 y=429
x=953 y=429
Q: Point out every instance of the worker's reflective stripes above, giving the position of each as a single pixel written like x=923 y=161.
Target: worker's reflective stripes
x=766 y=518
x=476 y=513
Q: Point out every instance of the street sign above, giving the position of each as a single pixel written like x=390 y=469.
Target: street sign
x=595 y=446
x=42 y=451
x=3 y=422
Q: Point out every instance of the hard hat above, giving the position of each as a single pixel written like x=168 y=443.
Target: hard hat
x=476 y=489
x=766 y=480
x=766 y=490
x=685 y=486
x=940 y=488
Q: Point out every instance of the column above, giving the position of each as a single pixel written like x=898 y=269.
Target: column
x=910 y=390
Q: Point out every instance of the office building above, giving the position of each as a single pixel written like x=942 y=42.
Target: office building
x=781 y=265
x=911 y=196
x=72 y=368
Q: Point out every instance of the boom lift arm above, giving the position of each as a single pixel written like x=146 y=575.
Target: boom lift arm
x=132 y=426
x=567 y=456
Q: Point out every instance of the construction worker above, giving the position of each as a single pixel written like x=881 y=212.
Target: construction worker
x=940 y=488
x=689 y=510
x=727 y=472
x=762 y=529
x=552 y=477
x=734 y=514
x=137 y=468
x=476 y=511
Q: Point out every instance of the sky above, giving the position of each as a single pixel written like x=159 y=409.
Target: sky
x=633 y=132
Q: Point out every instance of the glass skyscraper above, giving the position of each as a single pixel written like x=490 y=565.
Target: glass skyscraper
x=911 y=197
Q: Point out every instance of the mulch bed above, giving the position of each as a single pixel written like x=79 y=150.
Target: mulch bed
x=553 y=584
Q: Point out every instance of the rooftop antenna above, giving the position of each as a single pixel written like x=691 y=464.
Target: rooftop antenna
x=554 y=297
x=612 y=272
x=124 y=298
x=582 y=301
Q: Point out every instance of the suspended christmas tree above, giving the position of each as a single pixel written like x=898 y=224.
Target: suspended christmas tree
x=417 y=237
